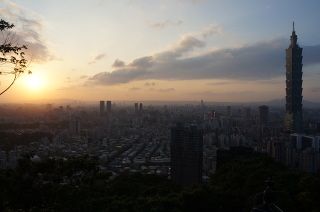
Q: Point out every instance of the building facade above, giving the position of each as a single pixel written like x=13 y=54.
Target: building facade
x=102 y=108
x=186 y=154
x=109 y=103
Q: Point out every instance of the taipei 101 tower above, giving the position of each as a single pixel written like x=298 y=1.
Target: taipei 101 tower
x=293 y=119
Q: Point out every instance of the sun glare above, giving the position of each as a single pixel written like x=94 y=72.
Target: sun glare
x=34 y=82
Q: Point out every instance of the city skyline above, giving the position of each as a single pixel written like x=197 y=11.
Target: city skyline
x=169 y=55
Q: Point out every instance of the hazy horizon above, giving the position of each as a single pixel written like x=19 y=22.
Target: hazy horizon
x=276 y=103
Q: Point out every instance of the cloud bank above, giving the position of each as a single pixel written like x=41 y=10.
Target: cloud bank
x=27 y=30
x=258 y=61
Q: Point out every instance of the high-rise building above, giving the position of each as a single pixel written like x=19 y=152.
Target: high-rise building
x=102 y=108
x=214 y=114
x=263 y=115
x=186 y=154
x=108 y=106
x=293 y=119
x=140 y=107
x=202 y=103
x=74 y=126
x=136 y=107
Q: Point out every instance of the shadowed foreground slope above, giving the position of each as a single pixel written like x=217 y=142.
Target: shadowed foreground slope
x=78 y=185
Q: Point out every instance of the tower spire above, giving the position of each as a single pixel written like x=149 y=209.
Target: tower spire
x=293 y=26
x=294 y=37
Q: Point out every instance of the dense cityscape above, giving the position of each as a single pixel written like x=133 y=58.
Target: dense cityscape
x=139 y=138
x=176 y=155
x=127 y=137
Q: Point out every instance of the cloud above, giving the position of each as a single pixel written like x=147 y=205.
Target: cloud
x=142 y=63
x=97 y=58
x=273 y=81
x=119 y=76
x=311 y=54
x=142 y=66
x=210 y=30
x=258 y=61
x=118 y=63
x=165 y=24
x=315 y=89
x=162 y=89
x=192 y=1
x=123 y=74
x=186 y=44
x=197 y=1
x=134 y=89
x=149 y=84
x=83 y=77
x=219 y=83
x=27 y=31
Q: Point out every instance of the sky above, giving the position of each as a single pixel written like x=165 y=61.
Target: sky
x=168 y=50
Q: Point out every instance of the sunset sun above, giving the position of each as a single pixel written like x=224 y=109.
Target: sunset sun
x=34 y=82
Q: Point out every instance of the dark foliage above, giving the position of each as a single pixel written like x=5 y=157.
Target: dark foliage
x=11 y=54
x=8 y=140
x=79 y=185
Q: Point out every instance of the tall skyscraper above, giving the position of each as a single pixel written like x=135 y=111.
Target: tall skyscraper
x=140 y=107
x=102 y=108
x=108 y=106
x=293 y=119
x=186 y=155
x=74 y=126
x=136 y=107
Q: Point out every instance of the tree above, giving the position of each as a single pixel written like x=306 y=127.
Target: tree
x=12 y=55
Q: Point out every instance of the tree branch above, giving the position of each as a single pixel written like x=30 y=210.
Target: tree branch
x=14 y=79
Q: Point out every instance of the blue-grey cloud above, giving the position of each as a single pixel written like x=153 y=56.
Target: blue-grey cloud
x=259 y=61
x=311 y=54
x=210 y=30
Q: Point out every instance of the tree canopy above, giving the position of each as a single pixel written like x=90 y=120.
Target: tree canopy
x=78 y=185
x=12 y=55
